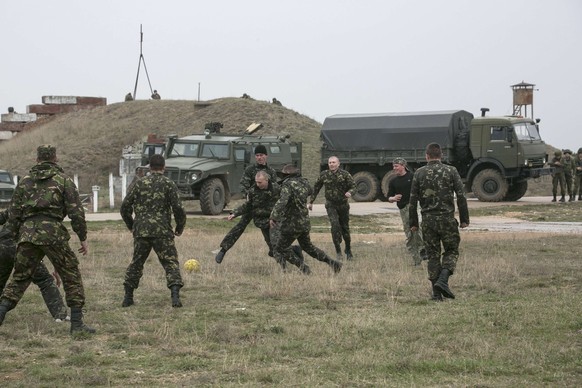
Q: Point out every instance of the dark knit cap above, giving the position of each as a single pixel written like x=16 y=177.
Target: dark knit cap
x=261 y=149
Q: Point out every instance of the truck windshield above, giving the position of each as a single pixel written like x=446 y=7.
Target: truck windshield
x=219 y=151
x=184 y=149
x=526 y=131
x=5 y=177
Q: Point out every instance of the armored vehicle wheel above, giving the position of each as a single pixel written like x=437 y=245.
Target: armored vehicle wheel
x=516 y=191
x=367 y=187
x=489 y=186
x=212 y=197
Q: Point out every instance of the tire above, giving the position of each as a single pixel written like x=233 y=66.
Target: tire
x=516 y=191
x=386 y=182
x=489 y=186
x=212 y=197
x=367 y=187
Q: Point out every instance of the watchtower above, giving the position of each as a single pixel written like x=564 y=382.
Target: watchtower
x=522 y=98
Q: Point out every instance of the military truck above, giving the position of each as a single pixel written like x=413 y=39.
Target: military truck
x=7 y=187
x=495 y=156
x=208 y=167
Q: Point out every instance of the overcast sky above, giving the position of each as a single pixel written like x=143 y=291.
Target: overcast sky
x=318 y=57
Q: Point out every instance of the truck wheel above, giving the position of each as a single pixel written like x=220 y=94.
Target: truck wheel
x=212 y=197
x=489 y=186
x=367 y=187
x=386 y=183
x=516 y=191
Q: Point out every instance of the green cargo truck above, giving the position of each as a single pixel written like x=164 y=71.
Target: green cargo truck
x=495 y=156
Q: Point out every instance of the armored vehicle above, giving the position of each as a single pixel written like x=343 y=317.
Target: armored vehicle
x=6 y=188
x=208 y=167
x=494 y=155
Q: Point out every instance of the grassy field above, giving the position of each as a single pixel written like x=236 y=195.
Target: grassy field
x=516 y=320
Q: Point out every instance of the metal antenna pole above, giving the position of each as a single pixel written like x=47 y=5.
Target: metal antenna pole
x=141 y=59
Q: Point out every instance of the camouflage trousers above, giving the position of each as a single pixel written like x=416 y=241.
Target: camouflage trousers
x=42 y=278
x=339 y=218
x=414 y=243
x=27 y=267
x=234 y=234
x=284 y=250
x=165 y=248
x=437 y=230
x=558 y=178
x=272 y=237
x=577 y=185
x=568 y=179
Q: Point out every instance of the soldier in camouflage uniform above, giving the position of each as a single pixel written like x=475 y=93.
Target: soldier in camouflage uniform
x=569 y=166
x=578 y=177
x=558 y=176
x=40 y=202
x=246 y=182
x=261 y=198
x=290 y=214
x=339 y=187
x=41 y=277
x=153 y=199
x=435 y=186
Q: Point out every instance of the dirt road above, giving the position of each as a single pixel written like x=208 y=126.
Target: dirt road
x=493 y=224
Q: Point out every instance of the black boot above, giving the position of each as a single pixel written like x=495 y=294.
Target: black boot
x=563 y=199
x=436 y=293
x=175 y=291
x=442 y=284
x=571 y=198
x=128 y=298
x=77 y=325
x=580 y=198
x=5 y=306
x=336 y=265
x=554 y=200
x=220 y=255
x=349 y=255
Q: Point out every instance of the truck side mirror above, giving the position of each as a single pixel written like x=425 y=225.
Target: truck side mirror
x=509 y=135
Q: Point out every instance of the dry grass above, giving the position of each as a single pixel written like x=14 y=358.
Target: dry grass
x=516 y=320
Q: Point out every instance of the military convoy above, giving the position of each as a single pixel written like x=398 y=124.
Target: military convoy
x=208 y=167
x=495 y=156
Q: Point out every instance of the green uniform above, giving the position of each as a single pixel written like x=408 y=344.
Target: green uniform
x=154 y=199
x=578 y=177
x=558 y=177
x=569 y=166
x=337 y=184
x=435 y=186
x=292 y=217
x=246 y=183
x=41 y=201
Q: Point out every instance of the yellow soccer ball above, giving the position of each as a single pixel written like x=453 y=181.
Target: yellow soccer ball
x=192 y=265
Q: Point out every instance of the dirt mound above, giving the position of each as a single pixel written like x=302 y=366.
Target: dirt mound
x=90 y=142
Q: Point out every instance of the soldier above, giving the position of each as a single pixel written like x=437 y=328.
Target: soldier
x=569 y=165
x=435 y=186
x=290 y=214
x=128 y=97
x=399 y=192
x=558 y=176
x=153 y=199
x=276 y=102
x=40 y=202
x=578 y=177
x=260 y=201
x=246 y=182
x=339 y=187
x=41 y=277
x=156 y=95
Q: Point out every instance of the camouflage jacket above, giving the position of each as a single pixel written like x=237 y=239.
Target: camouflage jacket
x=248 y=179
x=569 y=165
x=7 y=241
x=259 y=204
x=337 y=184
x=41 y=201
x=290 y=211
x=558 y=169
x=578 y=164
x=153 y=199
x=435 y=186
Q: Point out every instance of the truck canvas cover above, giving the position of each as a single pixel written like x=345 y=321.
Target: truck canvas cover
x=393 y=131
